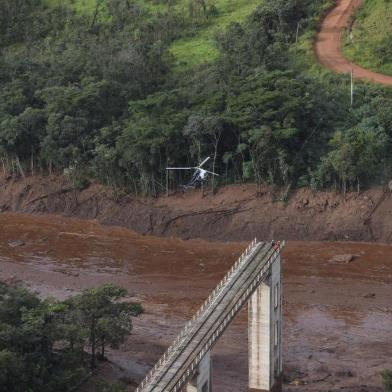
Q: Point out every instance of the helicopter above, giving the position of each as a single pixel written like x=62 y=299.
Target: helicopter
x=199 y=176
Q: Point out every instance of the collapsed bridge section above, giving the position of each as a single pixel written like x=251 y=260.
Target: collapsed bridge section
x=254 y=279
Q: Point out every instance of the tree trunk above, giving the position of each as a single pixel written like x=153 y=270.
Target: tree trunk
x=103 y=349
x=93 y=344
x=32 y=162
x=19 y=166
x=213 y=167
x=97 y=4
x=217 y=137
x=4 y=169
x=203 y=4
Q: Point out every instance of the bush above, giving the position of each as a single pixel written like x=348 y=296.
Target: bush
x=384 y=51
x=387 y=379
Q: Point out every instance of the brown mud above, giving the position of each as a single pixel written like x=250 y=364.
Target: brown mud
x=328 y=44
x=337 y=297
x=234 y=213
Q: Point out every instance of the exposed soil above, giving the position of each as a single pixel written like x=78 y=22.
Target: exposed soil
x=233 y=214
x=328 y=43
x=337 y=303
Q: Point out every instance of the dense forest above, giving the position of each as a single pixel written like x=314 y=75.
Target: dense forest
x=44 y=343
x=99 y=96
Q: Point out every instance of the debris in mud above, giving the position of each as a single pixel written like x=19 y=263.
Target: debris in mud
x=321 y=379
x=347 y=258
x=15 y=244
x=344 y=373
x=71 y=273
x=297 y=383
x=294 y=377
x=370 y=295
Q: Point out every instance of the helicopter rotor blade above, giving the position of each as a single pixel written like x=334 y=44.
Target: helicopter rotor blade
x=214 y=174
x=205 y=160
x=181 y=168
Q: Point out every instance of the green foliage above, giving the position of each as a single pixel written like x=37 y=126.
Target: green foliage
x=107 y=321
x=387 y=379
x=42 y=341
x=356 y=155
x=101 y=385
x=15 y=17
x=198 y=46
x=369 y=41
x=384 y=51
x=95 y=92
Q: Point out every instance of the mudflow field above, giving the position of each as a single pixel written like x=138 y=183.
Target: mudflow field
x=337 y=308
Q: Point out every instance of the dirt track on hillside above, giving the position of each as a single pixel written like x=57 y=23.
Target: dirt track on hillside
x=328 y=44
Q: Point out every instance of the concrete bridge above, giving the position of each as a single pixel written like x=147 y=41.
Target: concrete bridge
x=254 y=279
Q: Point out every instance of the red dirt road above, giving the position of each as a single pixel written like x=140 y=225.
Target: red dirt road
x=328 y=44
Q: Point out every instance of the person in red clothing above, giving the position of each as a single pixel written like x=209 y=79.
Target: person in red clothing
x=275 y=244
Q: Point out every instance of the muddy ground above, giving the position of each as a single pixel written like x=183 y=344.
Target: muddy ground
x=234 y=213
x=337 y=314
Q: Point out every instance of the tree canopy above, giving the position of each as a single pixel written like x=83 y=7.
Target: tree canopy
x=99 y=95
x=43 y=343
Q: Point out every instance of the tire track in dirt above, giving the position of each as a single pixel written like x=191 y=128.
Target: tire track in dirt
x=328 y=44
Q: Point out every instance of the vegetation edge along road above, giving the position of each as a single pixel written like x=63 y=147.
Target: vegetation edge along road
x=329 y=44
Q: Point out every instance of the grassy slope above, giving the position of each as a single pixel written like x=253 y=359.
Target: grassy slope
x=79 y=5
x=89 y=5
x=372 y=24
x=198 y=48
x=303 y=55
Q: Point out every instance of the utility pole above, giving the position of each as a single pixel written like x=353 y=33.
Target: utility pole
x=297 y=34
x=352 y=87
x=167 y=182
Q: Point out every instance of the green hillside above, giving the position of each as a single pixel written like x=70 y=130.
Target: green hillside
x=96 y=93
x=89 y=6
x=198 y=45
x=370 y=44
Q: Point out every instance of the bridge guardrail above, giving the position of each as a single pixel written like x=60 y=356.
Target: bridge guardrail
x=241 y=261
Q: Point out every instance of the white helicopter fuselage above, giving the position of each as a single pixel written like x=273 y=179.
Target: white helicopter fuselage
x=203 y=174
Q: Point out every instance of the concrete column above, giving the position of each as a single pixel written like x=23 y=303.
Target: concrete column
x=265 y=333
x=201 y=381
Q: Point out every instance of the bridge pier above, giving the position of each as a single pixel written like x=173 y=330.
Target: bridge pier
x=265 y=333
x=202 y=380
x=255 y=278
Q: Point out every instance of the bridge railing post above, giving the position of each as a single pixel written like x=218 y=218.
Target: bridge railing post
x=202 y=379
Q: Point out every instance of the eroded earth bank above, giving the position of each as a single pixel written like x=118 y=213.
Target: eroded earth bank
x=337 y=297
x=234 y=213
